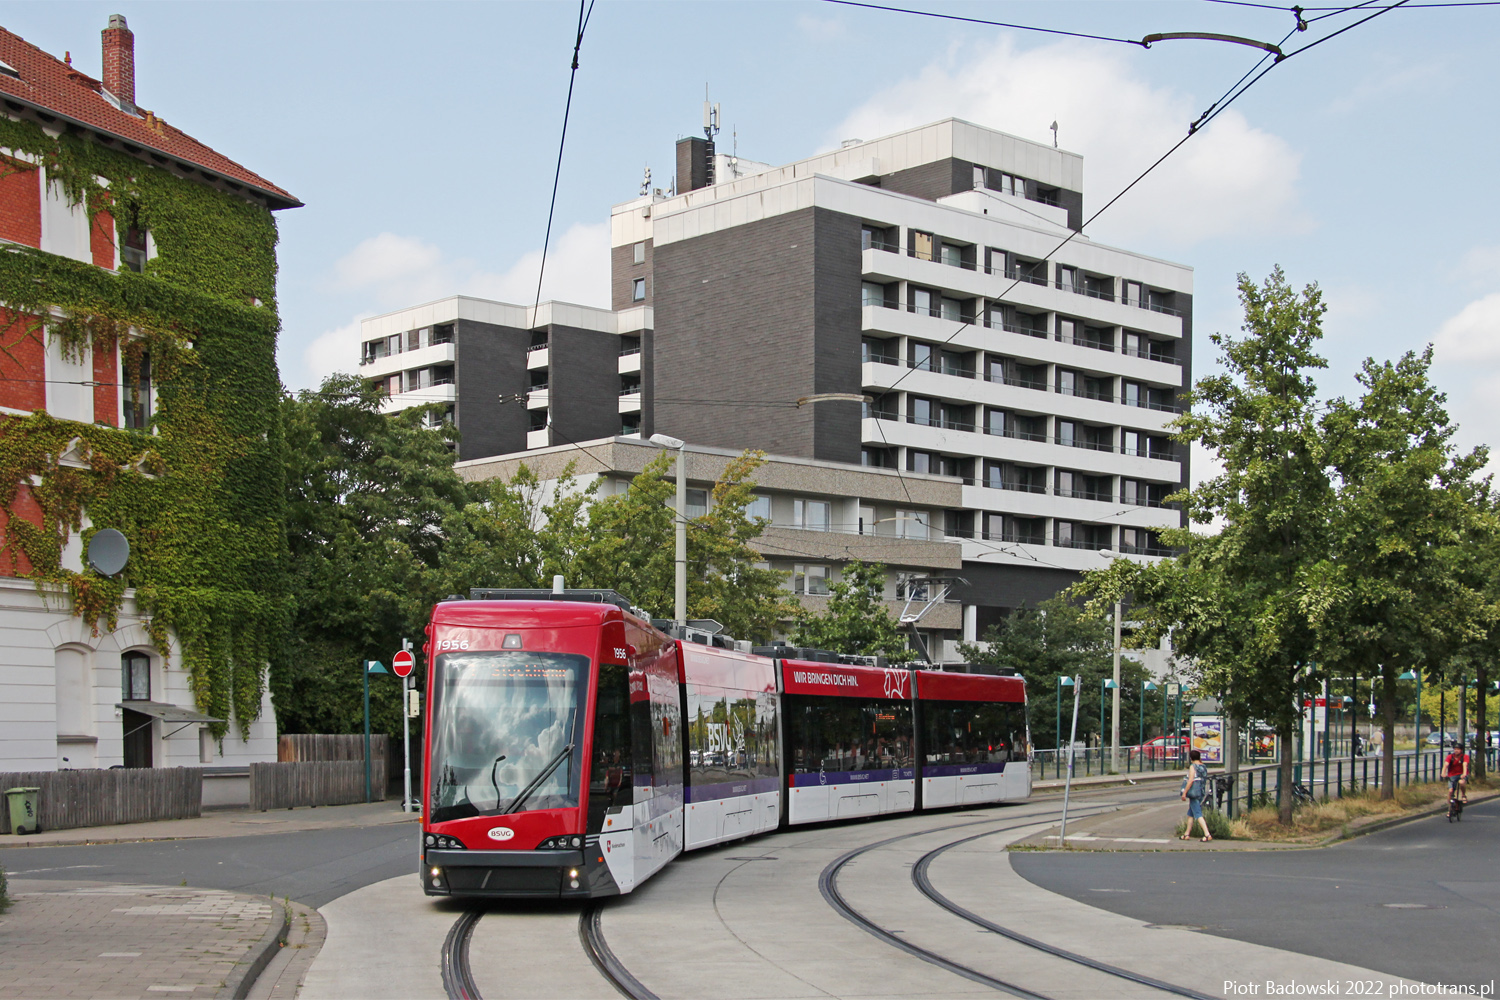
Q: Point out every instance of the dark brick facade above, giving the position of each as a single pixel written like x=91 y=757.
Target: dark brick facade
x=490 y=362
x=762 y=314
x=623 y=270
x=584 y=377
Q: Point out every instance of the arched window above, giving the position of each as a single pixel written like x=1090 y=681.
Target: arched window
x=135 y=677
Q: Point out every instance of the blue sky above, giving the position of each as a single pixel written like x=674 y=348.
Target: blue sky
x=422 y=138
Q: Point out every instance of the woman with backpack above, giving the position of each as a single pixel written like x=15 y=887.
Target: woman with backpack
x=1194 y=790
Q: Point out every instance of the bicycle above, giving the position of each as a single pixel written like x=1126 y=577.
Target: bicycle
x=1455 y=807
x=1302 y=795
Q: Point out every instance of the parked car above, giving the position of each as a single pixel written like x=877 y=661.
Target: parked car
x=1163 y=748
x=1442 y=739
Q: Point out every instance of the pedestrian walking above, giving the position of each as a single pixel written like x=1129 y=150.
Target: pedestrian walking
x=1194 y=789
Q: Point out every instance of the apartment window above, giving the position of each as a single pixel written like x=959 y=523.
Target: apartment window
x=978 y=178
x=876 y=238
x=759 y=506
x=1132 y=443
x=923 y=411
x=881 y=352
x=1099 y=287
x=921 y=245
x=1067 y=483
x=866 y=520
x=912 y=588
x=638 y=253
x=1067 y=382
x=1067 y=279
x=1067 y=433
x=1098 y=388
x=138 y=396
x=875 y=458
x=871 y=293
x=920 y=355
x=630 y=423
x=697 y=503
x=1028 y=530
x=953 y=309
x=393 y=344
x=1133 y=293
x=638 y=290
x=629 y=346
x=135 y=677
x=538 y=419
x=811 y=515
x=442 y=334
x=1067 y=330
x=1135 y=345
x=1133 y=394
x=1134 y=492
x=923 y=302
x=133 y=250
x=1027 y=428
x=922 y=461
x=419 y=338
x=994 y=422
x=1008 y=183
x=913 y=524
x=809 y=578
x=952 y=256
x=1064 y=533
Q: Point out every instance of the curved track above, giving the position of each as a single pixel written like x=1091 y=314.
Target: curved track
x=458 y=979
x=924 y=885
x=591 y=933
x=828 y=885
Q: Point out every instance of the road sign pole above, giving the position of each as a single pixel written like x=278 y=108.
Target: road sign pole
x=406 y=732
x=365 y=669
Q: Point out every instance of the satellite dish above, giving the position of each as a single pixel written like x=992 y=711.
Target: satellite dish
x=108 y=552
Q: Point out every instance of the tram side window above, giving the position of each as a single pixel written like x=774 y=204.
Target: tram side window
x=972 y=732
x=731 y=735
x=641 y=727
x=847 y=734
x=611 y=781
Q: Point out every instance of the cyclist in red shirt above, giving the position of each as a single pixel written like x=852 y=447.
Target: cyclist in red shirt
x=1457 y=770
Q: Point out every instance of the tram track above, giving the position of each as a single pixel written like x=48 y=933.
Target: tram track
x=591 y=934
x=923 y=882
x=458 y=978
x=828 y=886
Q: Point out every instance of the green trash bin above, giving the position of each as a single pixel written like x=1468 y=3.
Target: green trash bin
x=25 y=813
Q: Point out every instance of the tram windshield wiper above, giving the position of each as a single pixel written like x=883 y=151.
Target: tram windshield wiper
x=492 y=777
x=537 y=781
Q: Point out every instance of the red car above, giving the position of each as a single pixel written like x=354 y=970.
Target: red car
x=1164 y=748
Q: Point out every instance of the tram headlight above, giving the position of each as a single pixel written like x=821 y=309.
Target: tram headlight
x=573 y=873
x=435 y=876
x=577 y=841
x=431 y=840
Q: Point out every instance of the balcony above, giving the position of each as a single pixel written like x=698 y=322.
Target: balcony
x=537 y=356
x=540 y=438
x=630 y=363
x=536 y=399
x=630 y=402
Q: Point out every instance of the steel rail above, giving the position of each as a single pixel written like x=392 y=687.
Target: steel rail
x=591 y=934
x=828 y=886
x=923 y=882
x=458 y=978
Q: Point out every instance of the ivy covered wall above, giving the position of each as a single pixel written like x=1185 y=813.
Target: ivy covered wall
x=200 y=494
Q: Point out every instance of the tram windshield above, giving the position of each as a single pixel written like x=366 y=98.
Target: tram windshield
x=506 y=732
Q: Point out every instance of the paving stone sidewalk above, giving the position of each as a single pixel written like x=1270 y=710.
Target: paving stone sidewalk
x=103 y=940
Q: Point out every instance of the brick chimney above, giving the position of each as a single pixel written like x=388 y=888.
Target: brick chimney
x=119 y=62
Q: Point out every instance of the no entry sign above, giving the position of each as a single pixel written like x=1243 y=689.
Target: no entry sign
x=403 y=663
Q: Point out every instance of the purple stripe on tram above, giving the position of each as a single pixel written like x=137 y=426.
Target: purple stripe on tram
x=730 y=789
x=949 y=770
x=815 y=778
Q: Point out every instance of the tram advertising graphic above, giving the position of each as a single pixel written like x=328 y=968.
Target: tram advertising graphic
x=573 y=748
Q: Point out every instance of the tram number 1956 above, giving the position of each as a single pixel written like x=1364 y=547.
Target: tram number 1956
x=453 y=644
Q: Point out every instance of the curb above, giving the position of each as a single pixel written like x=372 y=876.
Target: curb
x=1087 y=784
x=1385 y=824
x=242 y=978
x=12 y=841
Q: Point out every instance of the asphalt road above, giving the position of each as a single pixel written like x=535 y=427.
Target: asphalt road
x=1420 y=900
x=311 y=867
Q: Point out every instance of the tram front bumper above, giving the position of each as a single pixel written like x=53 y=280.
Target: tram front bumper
x=503 y=873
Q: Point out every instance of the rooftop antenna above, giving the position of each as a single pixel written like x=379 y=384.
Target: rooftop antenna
x=710 y=129
x=646 y=184
x=1054 y=135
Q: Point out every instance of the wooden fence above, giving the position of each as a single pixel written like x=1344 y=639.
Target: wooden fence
x=72 y=799
x=314 y=783
x=321 y=746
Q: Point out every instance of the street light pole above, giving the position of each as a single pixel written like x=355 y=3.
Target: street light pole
x=1114 y=729
x=680 y=595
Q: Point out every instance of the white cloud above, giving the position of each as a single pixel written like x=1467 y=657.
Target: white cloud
x=820 y=29
x=390 y=271
x=1232 y=179
x=1473 y=335
x=1481 y=265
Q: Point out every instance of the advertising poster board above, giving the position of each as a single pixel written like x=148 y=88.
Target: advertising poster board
x=1208 y=738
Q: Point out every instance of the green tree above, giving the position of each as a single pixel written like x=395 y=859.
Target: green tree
x=855 y=621
x=1233 y=602
x=369 y=495
x=1390 y=590
x=1058 y=639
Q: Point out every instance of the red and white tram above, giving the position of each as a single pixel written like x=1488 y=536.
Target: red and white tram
x=573 y=749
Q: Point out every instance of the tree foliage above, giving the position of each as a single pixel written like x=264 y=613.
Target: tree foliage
x=1057 y=639
x=855 y=621
x=381 y=526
